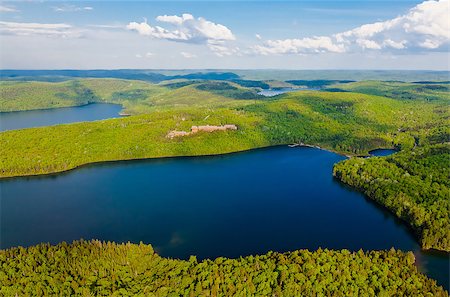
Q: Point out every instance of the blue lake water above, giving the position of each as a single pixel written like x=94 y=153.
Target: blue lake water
x=382 y=152
x=274 y=92
x=48 y=117
x=233 y=205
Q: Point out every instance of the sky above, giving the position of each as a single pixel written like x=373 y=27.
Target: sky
x=369 y=34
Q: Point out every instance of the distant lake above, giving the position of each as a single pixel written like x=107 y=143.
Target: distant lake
x=382 y=152
x=274 y=92
x=234 y=205
x=47 y=117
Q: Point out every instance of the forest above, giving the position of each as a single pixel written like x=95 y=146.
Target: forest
x=348 y=123
x=351 y=118
x=96 y=268
x=412 y=184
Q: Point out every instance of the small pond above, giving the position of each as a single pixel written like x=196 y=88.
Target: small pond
x=382 y=152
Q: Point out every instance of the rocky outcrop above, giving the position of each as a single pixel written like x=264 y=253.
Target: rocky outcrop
x=196 y=129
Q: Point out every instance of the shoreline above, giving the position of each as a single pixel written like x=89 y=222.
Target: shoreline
x=59 y=107
x=414 y=232
x=171 y=157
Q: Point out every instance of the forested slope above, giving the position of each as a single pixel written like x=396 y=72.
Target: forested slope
x=344 y=122
x=136 y=97
x=427 y=91
x=413 y=184
x=107 y=269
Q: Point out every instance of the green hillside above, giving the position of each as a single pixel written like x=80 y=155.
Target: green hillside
x=413 y=184
x=135 y=96
x=399 y=90
x=343 y=122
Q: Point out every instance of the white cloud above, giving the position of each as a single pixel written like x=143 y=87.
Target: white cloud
x=186 y=28
x=7 y=9
x=221 y=49
x=174 y=19
x=71 y=8
x=106 y=26
x=395 y=44
x=157 y=32
x=299 y=46
x=368 y=44
x=188 y=55
x=26 y=29
x=430 y=44
x=423 y=27
x=258 y=36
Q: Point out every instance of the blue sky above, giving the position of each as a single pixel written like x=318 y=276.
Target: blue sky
x=225 y=34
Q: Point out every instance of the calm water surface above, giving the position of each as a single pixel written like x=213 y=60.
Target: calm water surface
x=278 y=199
x=382 y=152
x=47 y=117
x=274 y=92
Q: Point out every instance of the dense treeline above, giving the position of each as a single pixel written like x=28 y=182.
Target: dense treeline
x=345 y=122
x=228 y=90
x=136 y=97
x=318 y=83
x=413 y=184
x=428 y=91
x=251 y=83
x=17 y=96
x=97 y=268
x=129 y=74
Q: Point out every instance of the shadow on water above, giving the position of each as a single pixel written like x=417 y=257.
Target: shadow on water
x=233 y=205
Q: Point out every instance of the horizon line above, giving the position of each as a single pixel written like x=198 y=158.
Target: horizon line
x=215 y=69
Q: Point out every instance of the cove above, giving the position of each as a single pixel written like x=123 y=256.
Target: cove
x=232 y=205
x=47 y=117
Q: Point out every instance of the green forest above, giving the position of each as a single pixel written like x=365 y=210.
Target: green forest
x=350 y=118
x=413 y=184
x=135 y=96
x=427 y=91
x=95 y=268
x=348 y=123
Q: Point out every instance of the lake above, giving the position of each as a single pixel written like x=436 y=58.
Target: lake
x=232 y=205
x=64 y=115
x=382 y=152
x=278 y=91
